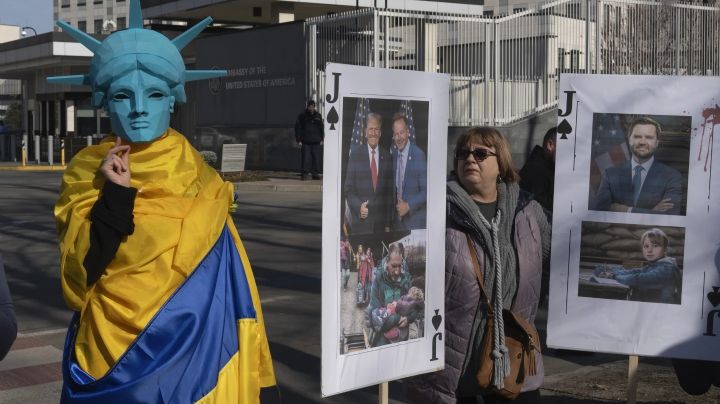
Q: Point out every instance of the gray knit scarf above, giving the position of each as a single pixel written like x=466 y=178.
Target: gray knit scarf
x=500 y=272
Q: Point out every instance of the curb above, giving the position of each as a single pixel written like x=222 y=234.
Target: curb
x=33 y=168
x=269 y=186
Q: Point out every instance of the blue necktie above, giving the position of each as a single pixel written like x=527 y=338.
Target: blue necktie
x=637 y=183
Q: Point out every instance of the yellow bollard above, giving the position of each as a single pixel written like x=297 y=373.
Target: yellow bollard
x=24 y=152
x=62 y=152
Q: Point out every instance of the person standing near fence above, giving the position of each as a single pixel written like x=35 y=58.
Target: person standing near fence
x=309 y=135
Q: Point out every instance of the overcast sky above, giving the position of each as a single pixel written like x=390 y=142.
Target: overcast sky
x=34 y=13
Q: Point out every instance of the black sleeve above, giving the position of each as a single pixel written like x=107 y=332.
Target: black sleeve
x=322 y=128
x=112 y=220
x=8 y=324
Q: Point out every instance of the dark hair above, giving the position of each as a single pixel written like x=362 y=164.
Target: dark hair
x=644 y=120
x=311 y=102
x=551 y=134
x=490 y=137
x=398 y=116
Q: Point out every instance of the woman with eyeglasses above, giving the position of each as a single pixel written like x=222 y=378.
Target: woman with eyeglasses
x=510 y=236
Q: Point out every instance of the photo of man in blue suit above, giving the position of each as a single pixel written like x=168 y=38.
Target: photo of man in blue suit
x=368 y=182
x=641 y=184
x=409 y=179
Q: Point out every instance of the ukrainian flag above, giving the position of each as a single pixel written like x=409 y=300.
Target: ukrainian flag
x=176 y=316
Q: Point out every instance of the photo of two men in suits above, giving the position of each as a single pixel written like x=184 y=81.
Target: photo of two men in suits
x=385 y=183
x=641 y=164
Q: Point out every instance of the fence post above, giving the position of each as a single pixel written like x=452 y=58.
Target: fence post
x=50 y=149
x=376 y=51
x=89 y=140
x=598 y=32
x=386 y=42
x=677 y=42
x=496 y=76
x=62 y=152
x=587 y=36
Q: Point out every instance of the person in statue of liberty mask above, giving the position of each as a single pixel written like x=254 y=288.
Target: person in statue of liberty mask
x=166 y=307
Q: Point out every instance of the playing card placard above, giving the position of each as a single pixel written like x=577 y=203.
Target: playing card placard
x=383 y=253
x=635 y=266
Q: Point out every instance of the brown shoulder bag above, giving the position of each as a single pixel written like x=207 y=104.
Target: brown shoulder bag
x=521 y=339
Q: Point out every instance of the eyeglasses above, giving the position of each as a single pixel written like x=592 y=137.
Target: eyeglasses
x=480 y=154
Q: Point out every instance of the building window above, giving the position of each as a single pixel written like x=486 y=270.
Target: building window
x=519 y=9
x=119 y=1
x=489 y=13
x=65 y=4
x=97 y=1
x=98 y=26
x=81 y=3
x=121 y=23
x=82 y=25
x=257 y=11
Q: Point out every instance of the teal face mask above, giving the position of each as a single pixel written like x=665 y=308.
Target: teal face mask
x=139 y=105
x=137 y=75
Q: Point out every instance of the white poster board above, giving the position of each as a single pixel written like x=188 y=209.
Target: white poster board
x=369 y=282
x=615 y=285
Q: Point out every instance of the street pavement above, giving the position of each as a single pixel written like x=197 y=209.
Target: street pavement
x=280 y=224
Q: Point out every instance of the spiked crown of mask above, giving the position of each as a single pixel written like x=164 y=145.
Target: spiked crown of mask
x=136 y=48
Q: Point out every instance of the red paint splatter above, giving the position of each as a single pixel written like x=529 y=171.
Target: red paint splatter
x=712 y=118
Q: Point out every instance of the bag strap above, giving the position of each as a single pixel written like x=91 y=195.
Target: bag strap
x=478 y=273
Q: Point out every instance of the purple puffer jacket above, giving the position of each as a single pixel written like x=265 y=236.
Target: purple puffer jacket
x=462 y=298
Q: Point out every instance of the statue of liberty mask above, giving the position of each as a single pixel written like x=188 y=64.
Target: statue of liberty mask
x=137 y=75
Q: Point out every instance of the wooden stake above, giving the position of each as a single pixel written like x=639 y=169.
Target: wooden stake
x=632 y=379
x=383 y=397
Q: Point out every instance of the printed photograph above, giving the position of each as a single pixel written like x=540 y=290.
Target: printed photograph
x=383 y=291
x=631 y=262
x=384 y=164
x=639 y=163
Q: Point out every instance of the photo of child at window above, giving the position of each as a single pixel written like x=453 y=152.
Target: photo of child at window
x=659 y=280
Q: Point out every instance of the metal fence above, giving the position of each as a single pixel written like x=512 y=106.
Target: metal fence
x=506 y=68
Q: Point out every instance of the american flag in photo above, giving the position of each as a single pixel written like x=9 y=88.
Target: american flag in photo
x=406 y=109
x=358 y=133
x=609 y=147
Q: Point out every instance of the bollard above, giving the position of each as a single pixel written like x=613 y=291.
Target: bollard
x=37 y=149
x=24 y=149
x=50 y=150
x=89 y=140
x=62 y=152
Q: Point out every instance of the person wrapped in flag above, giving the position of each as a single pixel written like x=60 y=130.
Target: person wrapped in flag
x=166 y=307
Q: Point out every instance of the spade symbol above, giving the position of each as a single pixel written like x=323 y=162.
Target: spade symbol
x=714 y=296
x=437 y=319
x=332 y=118
x=564 y=128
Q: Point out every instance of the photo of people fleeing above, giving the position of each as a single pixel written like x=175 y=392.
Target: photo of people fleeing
x=383 y=299
x=631 y=262
x=639 y=163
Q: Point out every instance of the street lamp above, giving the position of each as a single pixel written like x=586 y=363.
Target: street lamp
x=24 y=31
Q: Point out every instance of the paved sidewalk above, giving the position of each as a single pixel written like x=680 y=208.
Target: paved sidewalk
x=280 y=185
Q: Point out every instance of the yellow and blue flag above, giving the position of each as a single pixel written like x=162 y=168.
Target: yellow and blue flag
x=176 y=316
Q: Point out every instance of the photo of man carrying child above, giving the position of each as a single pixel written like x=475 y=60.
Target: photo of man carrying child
x=385 y=303
x=631 y=262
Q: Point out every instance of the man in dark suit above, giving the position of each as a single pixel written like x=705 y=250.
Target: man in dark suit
x=368 y=182
x=409 y=179
x=642 y=184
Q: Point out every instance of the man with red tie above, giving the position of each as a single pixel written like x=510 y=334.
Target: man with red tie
x=368 y=182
